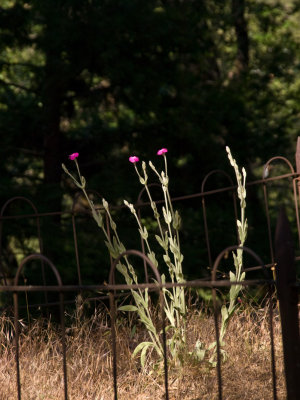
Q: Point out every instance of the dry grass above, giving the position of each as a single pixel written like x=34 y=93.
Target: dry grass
x=246 y=373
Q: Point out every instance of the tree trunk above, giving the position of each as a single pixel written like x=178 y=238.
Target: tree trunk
x=241 y=30
x=52 y=137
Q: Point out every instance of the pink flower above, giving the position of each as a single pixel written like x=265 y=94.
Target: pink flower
x=134 y=159
x=73 y=156
x=161 y=152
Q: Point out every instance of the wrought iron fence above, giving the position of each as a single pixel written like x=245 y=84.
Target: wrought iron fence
x=279 y=273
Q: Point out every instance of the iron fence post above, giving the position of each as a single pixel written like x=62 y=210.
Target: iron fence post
x=288 y=304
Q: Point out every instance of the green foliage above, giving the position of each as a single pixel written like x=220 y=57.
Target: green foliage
x=107 y=78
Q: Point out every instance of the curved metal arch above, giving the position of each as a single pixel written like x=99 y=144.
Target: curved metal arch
x=113 y=315
x=213 y=172
x=138 y=254
x=154 y=184
x=265 y=169
x=34 y=257
x=23 y=198
x=4 y=207
x=227 y=176
x=269 y=162
x=216 y=313
x=236 y=247
x=16 y=319
x=79 y=193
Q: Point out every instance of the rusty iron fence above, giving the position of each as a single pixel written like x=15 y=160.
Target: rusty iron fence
x=278 y=273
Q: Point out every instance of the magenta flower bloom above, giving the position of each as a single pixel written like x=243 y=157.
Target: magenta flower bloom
x=161 y=152
x=73 y=156
x=134 y=159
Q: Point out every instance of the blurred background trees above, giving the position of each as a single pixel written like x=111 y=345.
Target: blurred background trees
x=112 y=78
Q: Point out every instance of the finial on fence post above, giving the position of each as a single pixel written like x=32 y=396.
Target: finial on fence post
x=288 y=303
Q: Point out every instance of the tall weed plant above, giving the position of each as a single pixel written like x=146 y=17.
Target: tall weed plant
x=168 y=222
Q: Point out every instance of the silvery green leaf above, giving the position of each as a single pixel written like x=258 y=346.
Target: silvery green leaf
x=235 y=260
x=170 y=317
x=144 y=233
x=152 y=258
x=177 y=221
x=105 y=204
x=137 y=298
x=167 y=259
x=140 y=346
x=65 y=169
x=164 y=179
x=153 y=206
x=97 y=217
x=171 y=297
x=83 y=181
x=116 y=245
x=166 y=238
x=121 y=268
x=121 y=248
x=133 y=330
x=128 y=308
x=167 y=215
x=142 y=181
x=174 y=247
x=71 y=176
x=111 y=249
x=232 y=276
x=160 y=241
x=156 y=214
x=143 y=354
x=113 y=225
x=224 y=313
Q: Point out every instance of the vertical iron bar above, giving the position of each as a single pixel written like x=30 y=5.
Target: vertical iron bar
x=268 y=222
x=113 y=339
x=206 y=232
x=296 y=182
x=288 y=305
x=16 y=323
x=216 y=315
x=63 y=340
x=273 y=364
x=76 y=249
x=296 y=187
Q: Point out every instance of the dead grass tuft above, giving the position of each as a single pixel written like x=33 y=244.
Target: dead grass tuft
x=246 y=374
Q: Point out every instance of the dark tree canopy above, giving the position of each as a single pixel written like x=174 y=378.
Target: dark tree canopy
x=112 y=78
